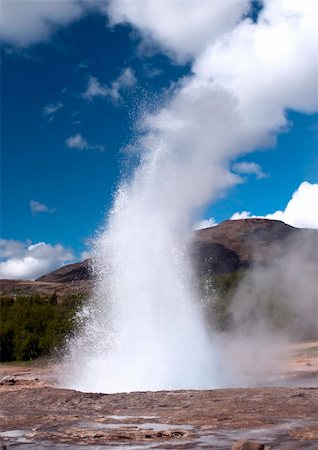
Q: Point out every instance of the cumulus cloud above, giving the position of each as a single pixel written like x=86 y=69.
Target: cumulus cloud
x=10 y=247
x=24 y=23
x=125 y=80
x=27 y=261
x=95 y=89
x=79 y=142
x=178 y=27
x=181 y=28
x=301 y=211
x=37 y=207
x=241 y=215
x=249 y=168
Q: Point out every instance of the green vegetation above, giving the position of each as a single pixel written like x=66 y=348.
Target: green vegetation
x=218 y=291
x=33 y=326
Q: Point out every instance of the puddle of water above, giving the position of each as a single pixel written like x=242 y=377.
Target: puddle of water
x=221 y=439
x=141 y=426
x=16 y=435
x=130 y=417
x=16 y=439
x=13 y=433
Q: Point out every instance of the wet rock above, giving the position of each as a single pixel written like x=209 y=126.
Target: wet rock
x=7 y=381
x=55 y=416
x=248 y=445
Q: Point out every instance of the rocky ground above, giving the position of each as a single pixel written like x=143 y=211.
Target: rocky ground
x=37 y=414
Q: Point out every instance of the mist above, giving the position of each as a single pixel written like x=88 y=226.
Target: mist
x=274 y=306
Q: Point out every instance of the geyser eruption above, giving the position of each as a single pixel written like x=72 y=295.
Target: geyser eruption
x=142 y=328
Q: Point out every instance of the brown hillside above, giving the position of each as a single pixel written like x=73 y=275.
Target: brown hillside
x=228 y=247
x=239 y=244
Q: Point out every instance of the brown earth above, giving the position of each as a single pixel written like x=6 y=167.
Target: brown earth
x=36 y=414
x=17 y=288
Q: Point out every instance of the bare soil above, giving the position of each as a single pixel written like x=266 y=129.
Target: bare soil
x=37 y=414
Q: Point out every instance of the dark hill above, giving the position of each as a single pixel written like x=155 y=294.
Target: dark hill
x=228 y=247
x=240 y=244
x=69 y=273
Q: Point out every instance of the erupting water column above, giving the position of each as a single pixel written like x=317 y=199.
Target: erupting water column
x=142 y=328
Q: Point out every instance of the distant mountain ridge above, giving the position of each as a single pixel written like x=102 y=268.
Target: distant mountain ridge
x=228 y=247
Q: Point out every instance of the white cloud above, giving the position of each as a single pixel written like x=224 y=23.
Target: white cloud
x=79 y=142
x=151 y=71
x=241 y=215
x=10 y=247
x=125 y=80
x=29 y=262
x=37 y=207
x=50 y=110
x=205 y=223
x=182 y=28
x=249 y=168
x=95 y=89
x=268 y=66
x=24 y=23
x=301 y=211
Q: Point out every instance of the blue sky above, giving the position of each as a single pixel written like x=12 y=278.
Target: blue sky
x=37 y=163
x=70 y=99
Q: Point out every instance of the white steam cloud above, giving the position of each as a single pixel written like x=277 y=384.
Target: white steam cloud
x=143 y=328
x=275 y=304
